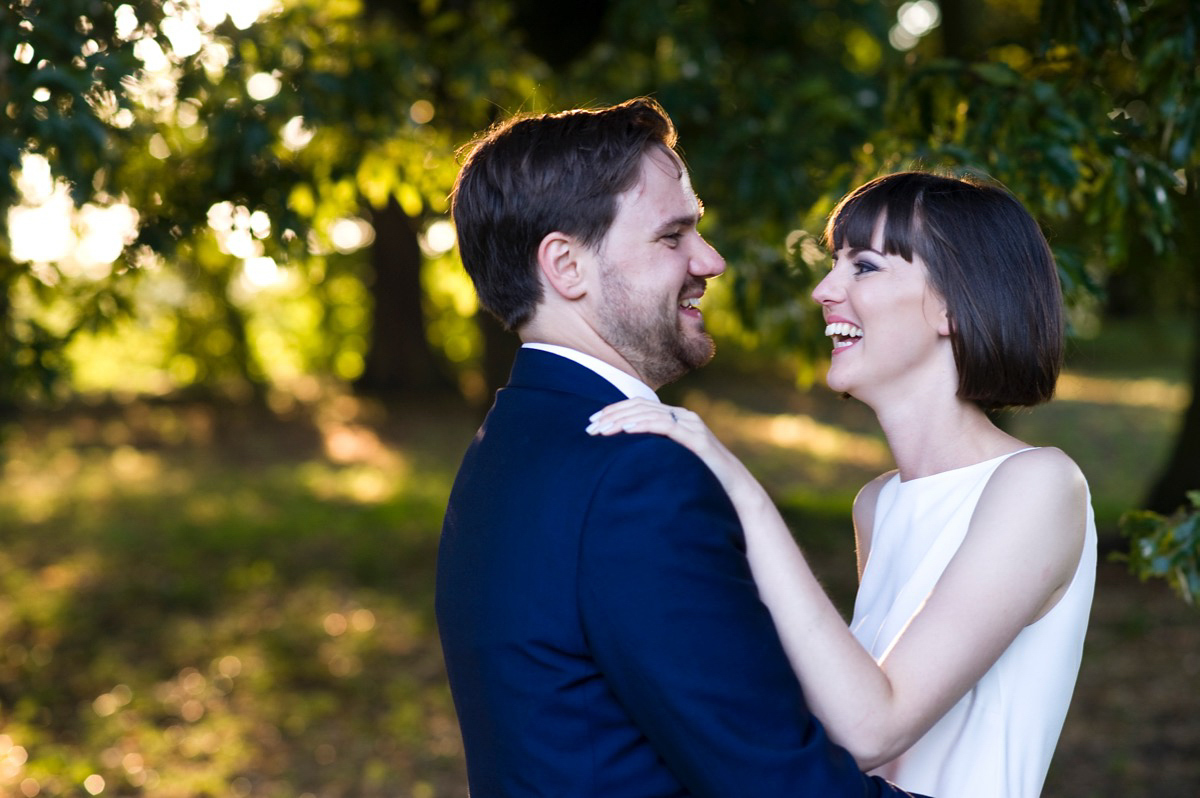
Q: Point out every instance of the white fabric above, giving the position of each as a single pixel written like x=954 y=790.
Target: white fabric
x=627 y=384
x=997 y=741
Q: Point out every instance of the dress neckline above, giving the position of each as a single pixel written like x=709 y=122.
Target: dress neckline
x=949 y=472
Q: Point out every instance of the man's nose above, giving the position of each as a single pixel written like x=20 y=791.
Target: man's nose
x=707 y=262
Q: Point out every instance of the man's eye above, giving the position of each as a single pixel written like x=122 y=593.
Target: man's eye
x=673 y=238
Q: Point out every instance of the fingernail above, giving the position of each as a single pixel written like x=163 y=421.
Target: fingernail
x=595 y=415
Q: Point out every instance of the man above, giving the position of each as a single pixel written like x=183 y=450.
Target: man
x=602 y=632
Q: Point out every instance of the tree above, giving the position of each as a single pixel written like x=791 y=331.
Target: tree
x=316 y=113
x=324 y=112
x=62 y=71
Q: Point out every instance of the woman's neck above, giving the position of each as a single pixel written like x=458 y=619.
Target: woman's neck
x=928 y=436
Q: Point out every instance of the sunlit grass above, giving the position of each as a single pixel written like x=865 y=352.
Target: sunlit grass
x=241 y=606
x=1149 y=392
x=798 y=433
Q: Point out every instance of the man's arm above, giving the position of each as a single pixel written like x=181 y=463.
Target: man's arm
x=676 y=626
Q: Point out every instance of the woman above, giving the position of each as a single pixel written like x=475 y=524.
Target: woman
x=977 y=555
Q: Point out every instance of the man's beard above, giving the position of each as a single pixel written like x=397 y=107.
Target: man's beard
x=650 y=341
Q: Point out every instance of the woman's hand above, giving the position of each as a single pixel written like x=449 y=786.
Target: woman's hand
x=677 y=423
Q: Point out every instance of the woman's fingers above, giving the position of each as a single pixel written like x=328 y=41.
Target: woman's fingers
x=642 y=416
x=648 y=417
x=617 y=414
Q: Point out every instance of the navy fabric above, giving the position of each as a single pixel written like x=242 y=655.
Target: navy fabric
x=601 y=629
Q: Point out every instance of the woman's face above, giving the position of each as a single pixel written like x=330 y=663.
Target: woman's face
x=889 y=327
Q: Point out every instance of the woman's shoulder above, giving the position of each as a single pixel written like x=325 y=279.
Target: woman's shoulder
x=1044 y=482
x=1038 y=467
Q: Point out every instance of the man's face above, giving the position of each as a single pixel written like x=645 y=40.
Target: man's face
x=654 y=265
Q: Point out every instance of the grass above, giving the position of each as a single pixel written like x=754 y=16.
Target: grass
x=212 y=600
x=206 y=601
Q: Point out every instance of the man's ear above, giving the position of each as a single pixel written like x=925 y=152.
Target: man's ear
x=558 y=258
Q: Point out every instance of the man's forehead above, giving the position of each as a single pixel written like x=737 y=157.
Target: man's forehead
x=665 y=162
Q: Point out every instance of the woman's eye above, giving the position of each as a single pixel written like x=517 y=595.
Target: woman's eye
x=862 y=267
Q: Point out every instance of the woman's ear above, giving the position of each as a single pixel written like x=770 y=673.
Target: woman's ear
x=559 y=258
x=945 y=325
x=940 y=320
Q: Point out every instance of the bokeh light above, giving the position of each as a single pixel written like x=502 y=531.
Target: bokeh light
x=351 y=234
x=263 y=86
x=439 y=238
x=913 y=21
x=296 y=134
x=47 y=228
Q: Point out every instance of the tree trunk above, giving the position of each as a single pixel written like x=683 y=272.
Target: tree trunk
x=399 y=359
x=956 y=30
x=1182 y=471
x=8 y=368
x=499 y=348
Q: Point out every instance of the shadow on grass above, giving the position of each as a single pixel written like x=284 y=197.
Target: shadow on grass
x=249 y=615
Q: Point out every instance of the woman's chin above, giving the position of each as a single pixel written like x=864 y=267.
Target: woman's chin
x=836 y=382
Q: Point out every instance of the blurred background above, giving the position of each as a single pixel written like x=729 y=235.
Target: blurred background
x=239 y=359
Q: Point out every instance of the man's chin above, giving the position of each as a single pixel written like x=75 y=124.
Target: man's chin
x=704 y=356
x=689 y=356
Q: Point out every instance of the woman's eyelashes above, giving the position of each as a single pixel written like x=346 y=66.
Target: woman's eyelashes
x=862 y=267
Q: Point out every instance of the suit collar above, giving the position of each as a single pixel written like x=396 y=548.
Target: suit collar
x=626 y=383
x=535 y=368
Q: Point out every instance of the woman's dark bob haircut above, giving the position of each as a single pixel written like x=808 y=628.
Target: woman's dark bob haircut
x=987 y=259
x=532 y=175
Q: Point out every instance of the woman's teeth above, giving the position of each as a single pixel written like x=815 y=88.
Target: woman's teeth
x=843 y=329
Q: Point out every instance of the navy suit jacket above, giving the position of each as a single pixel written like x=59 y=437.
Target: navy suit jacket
x=602 y=633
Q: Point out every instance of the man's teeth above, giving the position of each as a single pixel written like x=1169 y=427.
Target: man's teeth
x=692 y=303
x=844 y=329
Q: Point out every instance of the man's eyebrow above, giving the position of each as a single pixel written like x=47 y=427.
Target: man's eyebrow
x=688 y=220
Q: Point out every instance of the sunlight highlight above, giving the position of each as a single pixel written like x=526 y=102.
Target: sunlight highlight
x=263 y=86
x=295 y=134
x=796 y=432
x=351 y=234
x=440 y=237
x=1147 y=392
x=12 y=757
x=913 y=21
x=46 y=228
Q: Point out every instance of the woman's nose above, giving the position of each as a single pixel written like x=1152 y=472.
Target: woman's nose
x=827 y=290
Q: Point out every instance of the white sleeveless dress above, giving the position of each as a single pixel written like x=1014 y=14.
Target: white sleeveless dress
x=996 y=742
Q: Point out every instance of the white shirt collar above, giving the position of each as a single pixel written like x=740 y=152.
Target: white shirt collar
x=627 y=384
